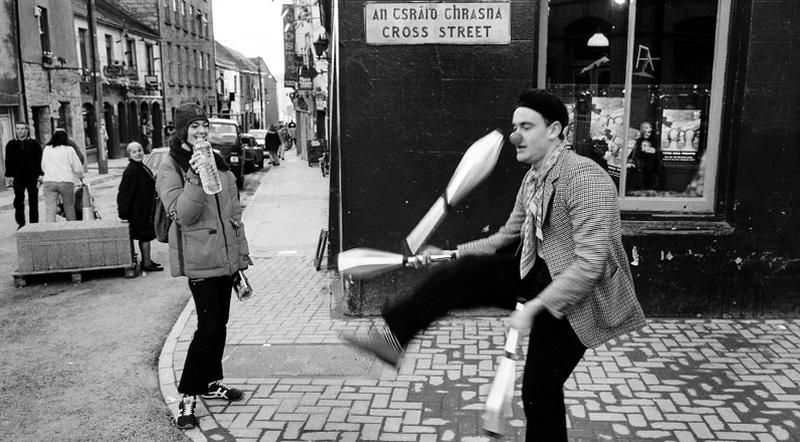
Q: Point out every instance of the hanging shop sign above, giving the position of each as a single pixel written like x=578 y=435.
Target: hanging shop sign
x=291 y=67
x=417 y=23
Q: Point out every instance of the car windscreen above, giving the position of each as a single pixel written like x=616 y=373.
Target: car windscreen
x=222 y=133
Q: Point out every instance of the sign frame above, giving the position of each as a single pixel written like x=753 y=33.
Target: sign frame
x=445 y=19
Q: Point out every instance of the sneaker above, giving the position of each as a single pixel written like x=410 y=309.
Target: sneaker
x=186 y=419
x=218 y=390
x=383 y=344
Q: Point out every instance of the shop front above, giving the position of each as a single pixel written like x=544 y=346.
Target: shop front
x=679 y=101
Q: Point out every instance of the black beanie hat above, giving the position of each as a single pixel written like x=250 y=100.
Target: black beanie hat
x=549 y=106
x=185 y=114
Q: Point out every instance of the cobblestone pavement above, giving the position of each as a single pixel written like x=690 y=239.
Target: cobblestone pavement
x=676 y=380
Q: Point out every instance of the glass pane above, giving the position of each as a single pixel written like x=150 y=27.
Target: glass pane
x=673 y=63
x=586 y=50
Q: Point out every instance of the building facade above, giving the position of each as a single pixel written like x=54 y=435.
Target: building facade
x=131 y=93
x=186 y=28
x=702 y=87
x=266 y=104
x=51 y=73
x=10 y=80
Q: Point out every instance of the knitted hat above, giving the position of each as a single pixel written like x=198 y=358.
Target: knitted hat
x=549 y=106
x=185 y=114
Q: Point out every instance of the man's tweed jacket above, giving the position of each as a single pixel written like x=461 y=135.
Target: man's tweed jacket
x=592 y=283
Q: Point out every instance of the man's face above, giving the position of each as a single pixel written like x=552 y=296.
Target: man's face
x=537 y=137
x=21 y=130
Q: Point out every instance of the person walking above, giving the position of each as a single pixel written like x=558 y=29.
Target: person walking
x=24 y=171
x=272 y=143
x=61 y=167
x=137 y=191
x=207 y=244
x=571 y=268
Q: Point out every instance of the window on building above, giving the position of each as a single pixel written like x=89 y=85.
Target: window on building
x=661 y=146
x=192 y=18
x=180 y=64
x=109 y=41
x=188 y=67
x=169 y=63
x=44 y=28
x=83 y=40
x=205 y=25
x=167 y=12
x=130 y=52
x=151 y=58
x=176 y=13
x=197 y=66
x=183 y=13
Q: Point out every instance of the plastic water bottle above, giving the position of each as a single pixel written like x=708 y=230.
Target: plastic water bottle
x=209 y=176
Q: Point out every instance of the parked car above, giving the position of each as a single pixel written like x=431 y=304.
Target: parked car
x=154 y=159
x=224 y=136
x=253 y=153
x=259 y=135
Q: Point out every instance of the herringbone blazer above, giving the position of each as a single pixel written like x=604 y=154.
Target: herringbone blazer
x=592 y=282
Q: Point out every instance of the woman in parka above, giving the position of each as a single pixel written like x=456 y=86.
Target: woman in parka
x=207 y=244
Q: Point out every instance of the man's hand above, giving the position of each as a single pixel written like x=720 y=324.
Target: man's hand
x=523 y=320
x=425 y=256
x=10 y=180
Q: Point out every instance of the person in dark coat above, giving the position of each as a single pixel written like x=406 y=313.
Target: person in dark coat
x=135 y=198
x=272 y=142
x=24 y=171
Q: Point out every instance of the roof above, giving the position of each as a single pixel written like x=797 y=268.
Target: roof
x=111 y=13
x=230 y=59
x=258 y=61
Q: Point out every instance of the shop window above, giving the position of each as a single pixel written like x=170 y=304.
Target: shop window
x=661 y=146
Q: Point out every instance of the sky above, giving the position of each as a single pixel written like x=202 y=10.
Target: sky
x=253 y=28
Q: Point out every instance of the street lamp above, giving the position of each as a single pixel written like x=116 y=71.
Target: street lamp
x=320 y=46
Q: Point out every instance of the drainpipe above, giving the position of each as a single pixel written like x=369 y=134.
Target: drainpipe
x=20 y=64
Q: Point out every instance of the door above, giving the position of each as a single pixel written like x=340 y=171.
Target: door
x=6 y=134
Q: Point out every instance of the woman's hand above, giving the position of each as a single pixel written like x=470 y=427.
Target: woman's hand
x=522 y=320
x=196 y=160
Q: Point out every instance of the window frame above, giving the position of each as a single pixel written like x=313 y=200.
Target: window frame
x=696 y=205
x=43 y=22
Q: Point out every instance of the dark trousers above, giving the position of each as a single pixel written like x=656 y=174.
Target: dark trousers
x=20 y=187
x=553 y=350
x=212 y=300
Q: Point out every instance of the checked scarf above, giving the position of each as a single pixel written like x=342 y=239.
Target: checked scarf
x=534 y=190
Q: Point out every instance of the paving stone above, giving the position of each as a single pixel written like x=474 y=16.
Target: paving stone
x=684 y=380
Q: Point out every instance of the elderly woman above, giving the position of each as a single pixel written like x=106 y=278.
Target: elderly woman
x=61 y=166
x=137 y=191
x=207 y=245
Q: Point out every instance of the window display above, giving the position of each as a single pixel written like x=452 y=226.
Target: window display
x=657 y=70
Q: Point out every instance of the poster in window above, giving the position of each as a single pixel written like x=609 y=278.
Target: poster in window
x=680 y=134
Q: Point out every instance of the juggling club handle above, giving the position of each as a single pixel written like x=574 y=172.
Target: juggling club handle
x=417 y=259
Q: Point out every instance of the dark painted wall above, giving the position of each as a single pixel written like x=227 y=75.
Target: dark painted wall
x=408 y=114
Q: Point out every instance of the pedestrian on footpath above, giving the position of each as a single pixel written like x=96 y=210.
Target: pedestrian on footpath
x=24 y=171
x=572 y=270
x=272 y=144
x=135 y=197
x=61 y=167
x=207 y=244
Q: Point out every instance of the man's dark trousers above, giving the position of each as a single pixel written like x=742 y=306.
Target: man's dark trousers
x=21 y=185
x=212 y=300
x=480 y=281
